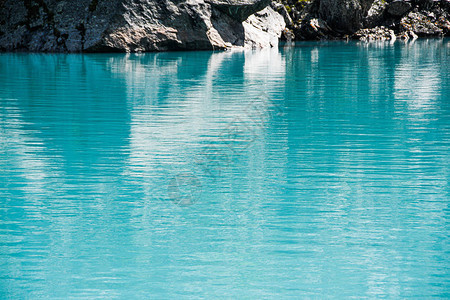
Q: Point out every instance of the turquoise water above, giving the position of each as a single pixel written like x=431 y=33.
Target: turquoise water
x=315 y=171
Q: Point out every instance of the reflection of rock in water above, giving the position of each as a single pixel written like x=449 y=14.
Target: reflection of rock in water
x=184 y=189
x=415 y=81
x=73 y=80
x=178 y=121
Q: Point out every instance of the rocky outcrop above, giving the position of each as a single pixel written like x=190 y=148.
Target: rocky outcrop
x=325 y=19
x=344 y=15
x=410 y=19
x=136 y=25
x=379 y=33
x=398 y=8
x=419 y=24
x=367 y=19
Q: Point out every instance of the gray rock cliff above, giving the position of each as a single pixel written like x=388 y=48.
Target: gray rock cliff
x=136 y=25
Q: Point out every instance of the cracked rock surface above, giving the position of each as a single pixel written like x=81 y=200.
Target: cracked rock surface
x=136 y=25
x=365 y=19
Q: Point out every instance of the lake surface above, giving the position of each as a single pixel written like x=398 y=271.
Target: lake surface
x=320 y=170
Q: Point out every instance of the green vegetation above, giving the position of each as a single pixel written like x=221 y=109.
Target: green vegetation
x=295 y=4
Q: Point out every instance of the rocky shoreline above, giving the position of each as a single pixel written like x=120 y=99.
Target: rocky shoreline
x=137 y=25
x=365 y=20
x=161 y=25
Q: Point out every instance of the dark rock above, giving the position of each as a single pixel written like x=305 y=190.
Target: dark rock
x=316 y=29
x=136 y=25
x=239 y=9
x=399 y=8
x=327 y=19
x=344 y=15
x=368 y=19
x=425 y=4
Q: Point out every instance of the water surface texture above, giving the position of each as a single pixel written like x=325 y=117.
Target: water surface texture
x=320 y=170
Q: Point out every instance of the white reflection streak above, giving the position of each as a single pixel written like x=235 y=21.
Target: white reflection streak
x=165 y=137
x=158 y=134
x=265 y=64
x=27 y=147
x=416 y=84
x=418 y=87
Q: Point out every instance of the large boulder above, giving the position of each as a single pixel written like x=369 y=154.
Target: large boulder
x=376 y=14
x=136 y=25
x=399 y=8
x=346 y=16
x=420 y=25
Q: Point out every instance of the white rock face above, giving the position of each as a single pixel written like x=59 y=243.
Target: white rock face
x=263 y=29
x=137 y=25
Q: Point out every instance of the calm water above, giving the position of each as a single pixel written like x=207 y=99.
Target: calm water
x=320 y=170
